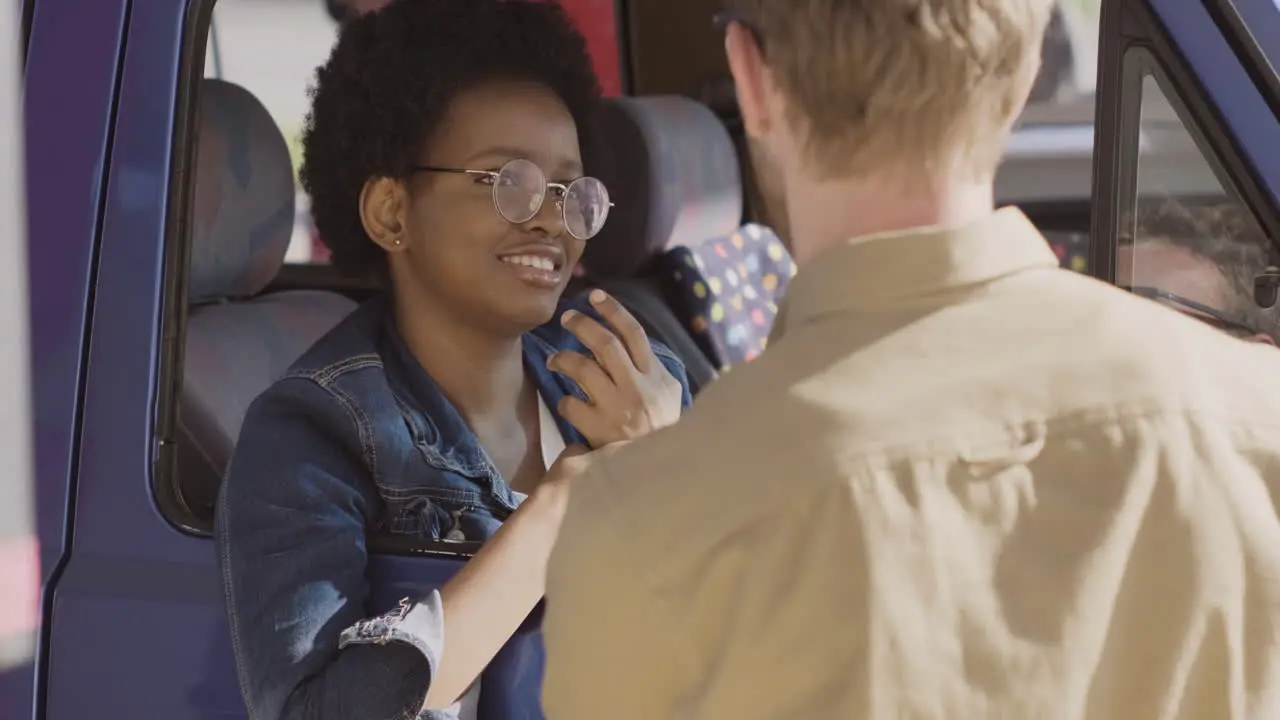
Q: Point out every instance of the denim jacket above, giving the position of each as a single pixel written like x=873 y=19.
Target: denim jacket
x=356 y=438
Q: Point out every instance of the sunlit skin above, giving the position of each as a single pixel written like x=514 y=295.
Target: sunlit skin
x=1178 y=271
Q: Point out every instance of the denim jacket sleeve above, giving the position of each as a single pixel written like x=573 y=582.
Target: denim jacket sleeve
x=291 y=525
x=674 y=366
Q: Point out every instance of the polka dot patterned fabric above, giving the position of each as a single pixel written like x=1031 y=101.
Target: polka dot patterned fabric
x=727 y=291
x=1072 y=249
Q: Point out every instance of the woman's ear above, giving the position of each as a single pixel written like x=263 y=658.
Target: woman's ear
x=382 y=206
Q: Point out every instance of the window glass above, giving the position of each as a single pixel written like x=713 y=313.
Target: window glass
x=1049 y=158
x=245 y=47
x=1189 y=242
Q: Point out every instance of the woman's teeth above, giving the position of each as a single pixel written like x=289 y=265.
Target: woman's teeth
x=533 y=261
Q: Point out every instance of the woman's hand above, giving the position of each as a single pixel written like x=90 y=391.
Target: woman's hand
x=630 y=393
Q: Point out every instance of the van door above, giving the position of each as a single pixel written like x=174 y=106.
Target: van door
x=137 y=626
x=1187 y=115
x=19 y=549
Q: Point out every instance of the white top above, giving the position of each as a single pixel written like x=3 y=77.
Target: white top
x=552 y=441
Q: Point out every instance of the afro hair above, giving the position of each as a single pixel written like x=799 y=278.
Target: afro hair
x=389 y=82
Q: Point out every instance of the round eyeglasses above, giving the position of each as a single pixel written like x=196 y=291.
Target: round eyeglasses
x=520 y=187
x=1199 y=311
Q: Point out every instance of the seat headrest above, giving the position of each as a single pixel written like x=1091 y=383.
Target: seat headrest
x=673 y=176
x=244 y=196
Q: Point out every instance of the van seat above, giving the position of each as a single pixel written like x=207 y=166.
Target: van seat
x=678 y=190
x=238 y=341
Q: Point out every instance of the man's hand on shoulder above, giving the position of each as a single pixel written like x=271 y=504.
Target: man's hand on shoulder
x=573 y=467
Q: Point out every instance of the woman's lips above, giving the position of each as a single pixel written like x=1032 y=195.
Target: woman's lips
x=537 y=270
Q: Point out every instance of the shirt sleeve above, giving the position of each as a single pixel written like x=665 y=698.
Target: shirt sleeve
x=291 y=524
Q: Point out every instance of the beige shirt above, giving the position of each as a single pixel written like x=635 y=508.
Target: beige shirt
x=962 y=483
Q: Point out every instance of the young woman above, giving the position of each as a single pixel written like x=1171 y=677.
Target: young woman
x=443 y=154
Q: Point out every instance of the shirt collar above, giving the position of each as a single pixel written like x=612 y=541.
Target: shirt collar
x=887 y=268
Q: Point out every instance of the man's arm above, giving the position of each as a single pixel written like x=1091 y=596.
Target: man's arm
x=292 y=520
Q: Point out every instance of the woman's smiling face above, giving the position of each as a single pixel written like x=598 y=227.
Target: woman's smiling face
x=455 y=246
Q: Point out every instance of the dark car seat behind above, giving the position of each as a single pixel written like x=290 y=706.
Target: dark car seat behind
x=238 y=342
x=674 y=240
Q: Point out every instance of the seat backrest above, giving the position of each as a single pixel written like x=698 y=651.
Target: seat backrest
x=238 y=341
x=672 y=174
x=722 y=280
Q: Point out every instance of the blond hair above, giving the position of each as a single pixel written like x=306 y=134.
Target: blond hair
x=928 y=82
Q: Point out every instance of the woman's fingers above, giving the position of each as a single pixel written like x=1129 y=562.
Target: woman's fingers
x=626 y=327
x=587 y=418
x=603 y=343
x=587 y=373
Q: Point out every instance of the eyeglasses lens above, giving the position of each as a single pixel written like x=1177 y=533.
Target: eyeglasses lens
x=519 y=190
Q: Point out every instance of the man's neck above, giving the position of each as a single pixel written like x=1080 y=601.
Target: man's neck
x=823 y=214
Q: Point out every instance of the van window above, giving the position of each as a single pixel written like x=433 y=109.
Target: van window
x=1189 y=242
x=1048 y=163
x=245 y=47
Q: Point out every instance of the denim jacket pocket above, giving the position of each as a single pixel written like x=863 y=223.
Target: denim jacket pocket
x=441 y=513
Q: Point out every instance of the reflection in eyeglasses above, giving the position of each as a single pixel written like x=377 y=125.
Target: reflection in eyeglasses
x=1211 y=316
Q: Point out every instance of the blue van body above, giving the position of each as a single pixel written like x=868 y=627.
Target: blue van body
x=133 y=625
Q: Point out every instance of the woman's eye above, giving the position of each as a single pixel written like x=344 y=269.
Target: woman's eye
x=559 y=191
x=486 y=179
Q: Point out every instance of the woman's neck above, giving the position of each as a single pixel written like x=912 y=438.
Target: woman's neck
x=481 y=374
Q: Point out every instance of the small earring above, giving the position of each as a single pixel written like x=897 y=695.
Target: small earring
x=398 y=242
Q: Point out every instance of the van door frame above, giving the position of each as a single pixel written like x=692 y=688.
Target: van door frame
x=1217 y=80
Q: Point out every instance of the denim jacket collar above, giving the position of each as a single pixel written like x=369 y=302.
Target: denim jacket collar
x=448 y=443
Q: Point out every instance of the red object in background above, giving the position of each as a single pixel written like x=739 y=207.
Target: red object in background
x=319 y=251
x=598 y=22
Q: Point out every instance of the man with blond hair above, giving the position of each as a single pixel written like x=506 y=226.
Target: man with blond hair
x=961 y=484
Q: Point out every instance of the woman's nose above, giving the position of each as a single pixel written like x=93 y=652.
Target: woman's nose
x=550 y=217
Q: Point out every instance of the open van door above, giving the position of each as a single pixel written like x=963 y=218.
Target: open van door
x=1188 y=102
x=19 y=556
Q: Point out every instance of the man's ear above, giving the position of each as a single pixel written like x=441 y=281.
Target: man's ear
x=749 y=79
x=382 y=206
